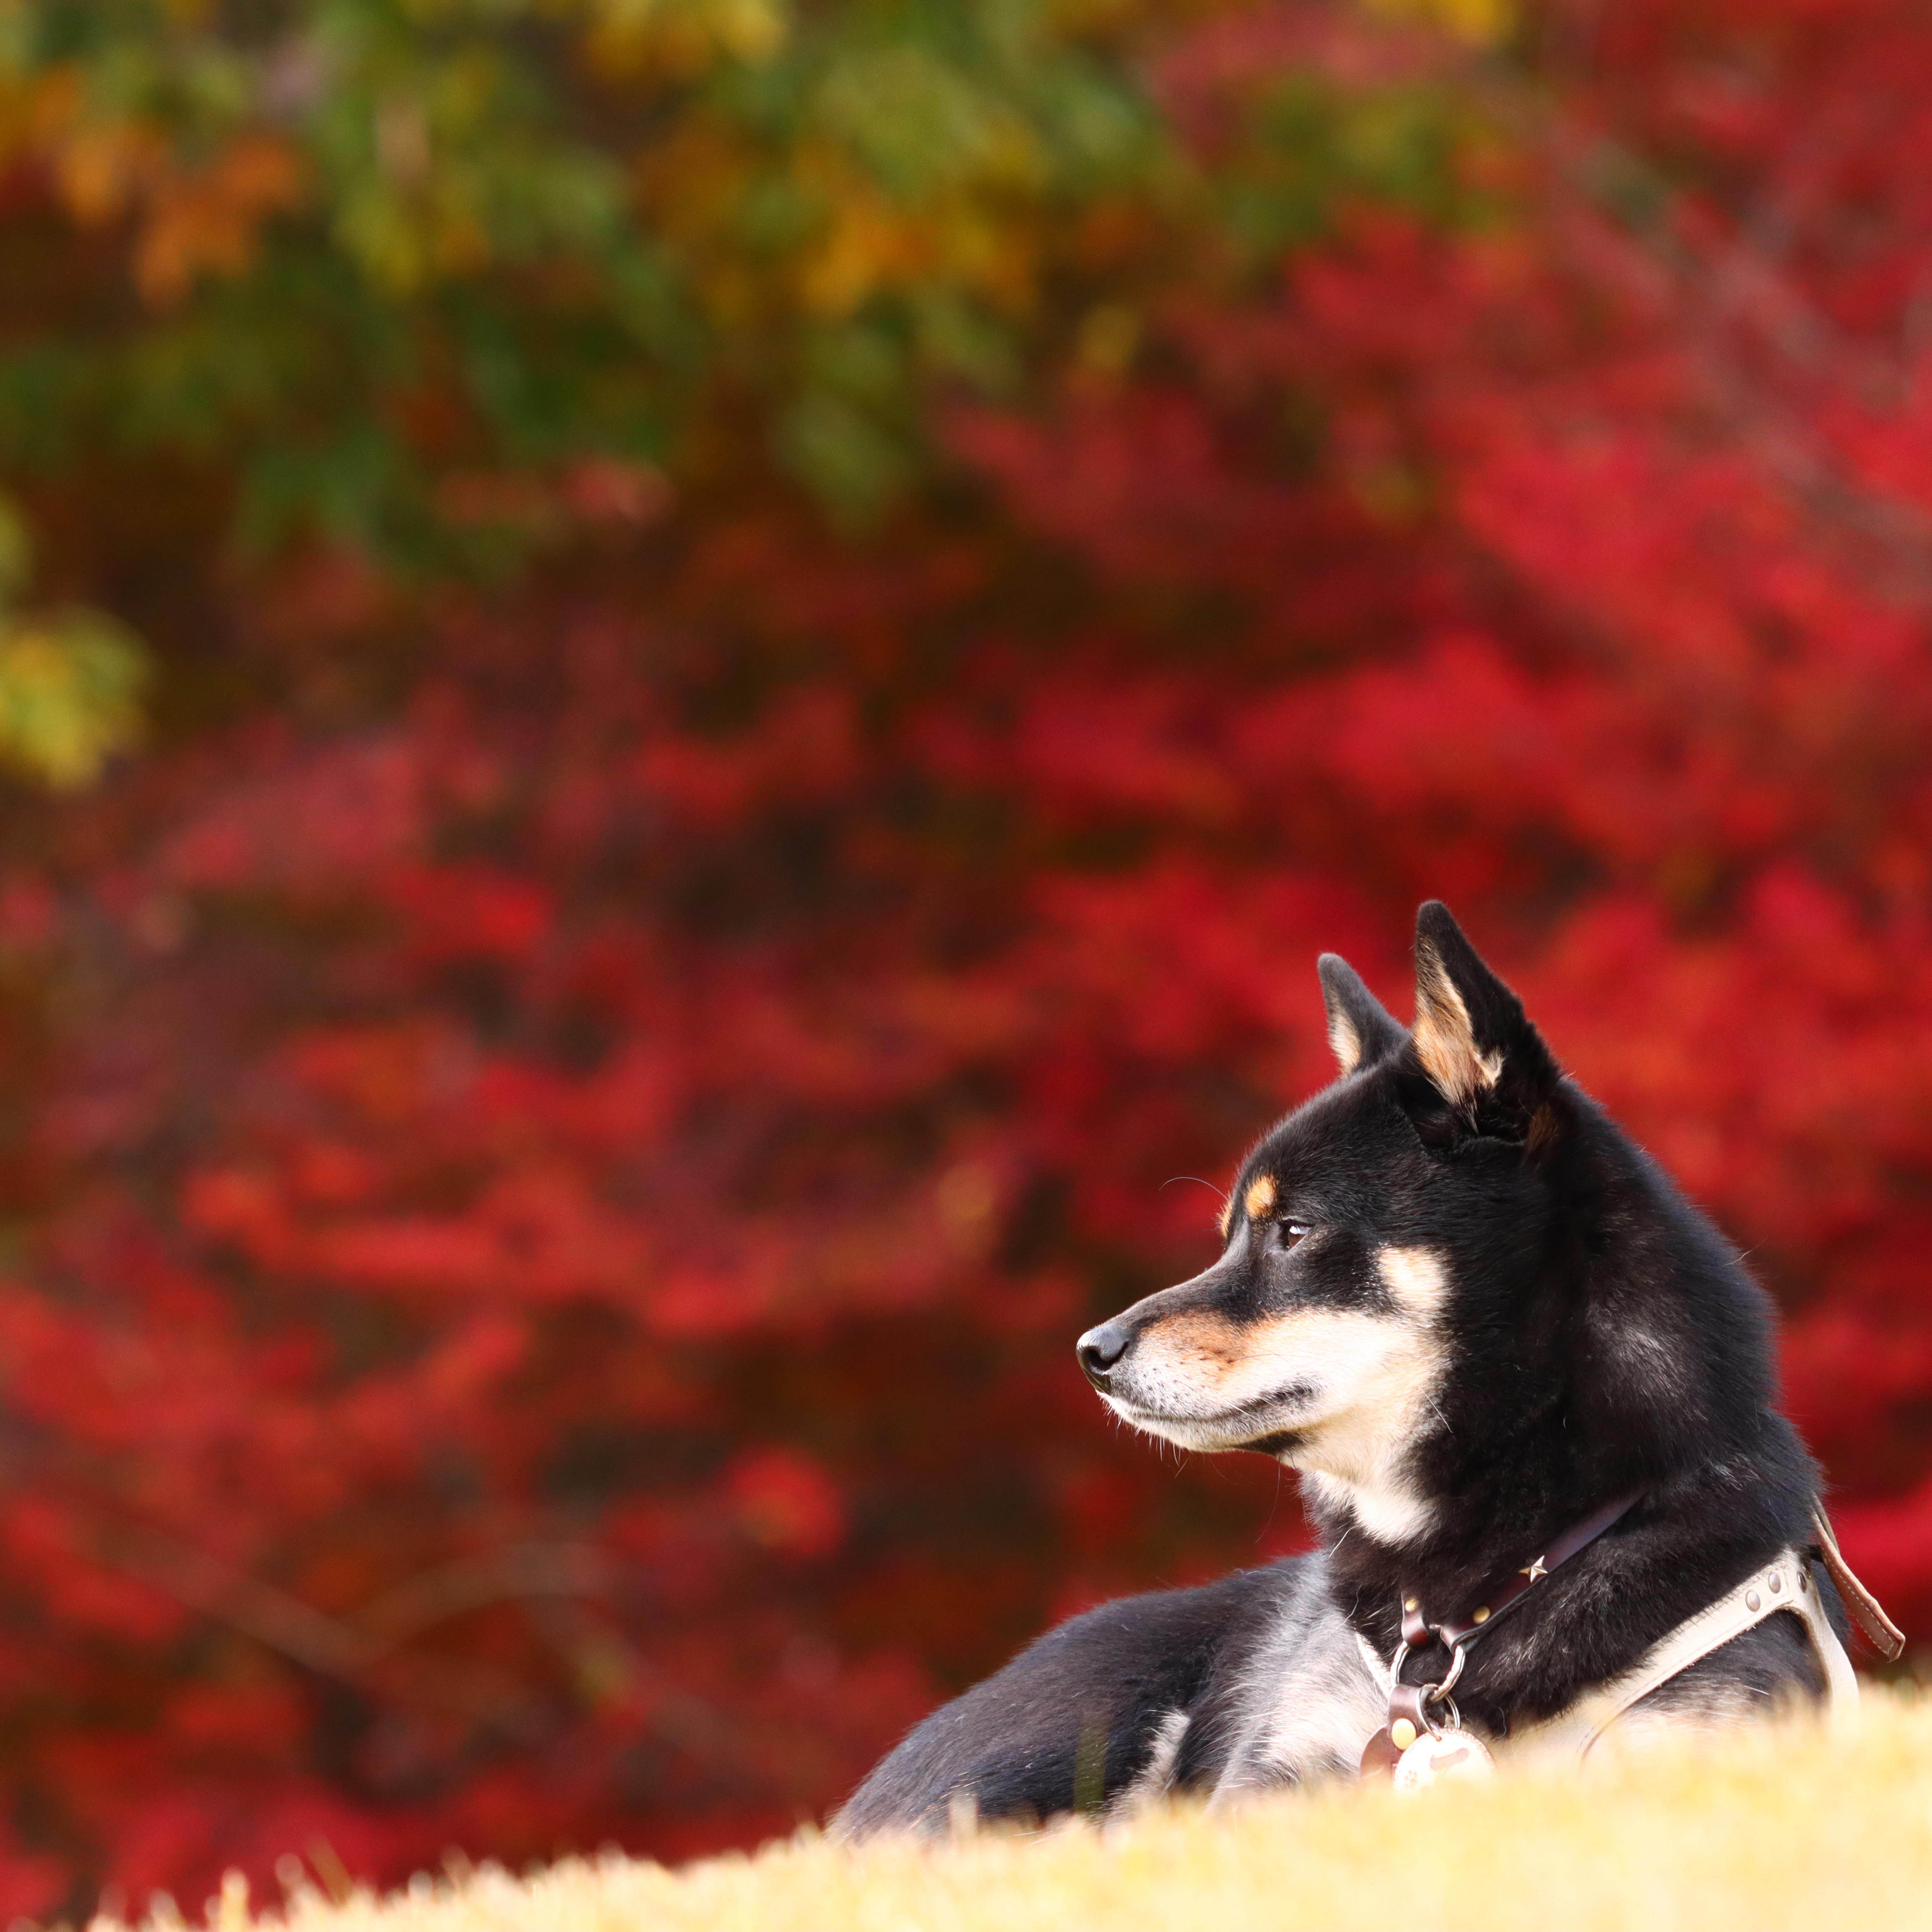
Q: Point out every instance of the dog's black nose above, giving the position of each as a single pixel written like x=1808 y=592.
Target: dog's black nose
x=1099 y=1348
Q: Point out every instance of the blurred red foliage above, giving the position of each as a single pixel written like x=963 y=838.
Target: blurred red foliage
x=552 y=1173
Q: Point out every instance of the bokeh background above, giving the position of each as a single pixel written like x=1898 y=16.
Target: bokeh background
x=686 y=684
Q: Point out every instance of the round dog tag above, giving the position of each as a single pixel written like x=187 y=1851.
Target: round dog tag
x=1442 y=1755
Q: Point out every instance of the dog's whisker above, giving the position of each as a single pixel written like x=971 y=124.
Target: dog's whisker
x=1220 y=1194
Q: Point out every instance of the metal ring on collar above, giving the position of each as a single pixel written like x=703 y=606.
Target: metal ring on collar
x=1437 y=1692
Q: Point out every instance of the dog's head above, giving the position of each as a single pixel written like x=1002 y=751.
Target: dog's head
x=1374 y=1232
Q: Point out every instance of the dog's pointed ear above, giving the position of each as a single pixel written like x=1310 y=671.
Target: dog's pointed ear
x=1472 y=1038
x=1361 y=1030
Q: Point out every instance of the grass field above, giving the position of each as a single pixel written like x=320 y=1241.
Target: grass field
x=1782 y=1827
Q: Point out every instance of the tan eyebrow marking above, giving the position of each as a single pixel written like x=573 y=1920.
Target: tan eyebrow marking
x=1225 y=1220
x=1260 y=1197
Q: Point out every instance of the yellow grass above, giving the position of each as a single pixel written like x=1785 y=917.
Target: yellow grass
x=1781 y=1827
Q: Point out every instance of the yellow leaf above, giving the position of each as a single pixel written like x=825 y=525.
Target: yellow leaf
x=69 y=685
x=681 y=37
x=1482 y=22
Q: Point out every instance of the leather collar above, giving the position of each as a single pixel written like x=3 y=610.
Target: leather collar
x=1411 y=1714
x=1503 y=1596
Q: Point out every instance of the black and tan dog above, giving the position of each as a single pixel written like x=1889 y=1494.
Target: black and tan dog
x=1482 y=1325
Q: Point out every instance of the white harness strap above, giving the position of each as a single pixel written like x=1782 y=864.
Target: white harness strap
x=1784 y=1584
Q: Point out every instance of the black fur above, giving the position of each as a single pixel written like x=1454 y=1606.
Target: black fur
x=1599 y=1337
x=1026 y=1741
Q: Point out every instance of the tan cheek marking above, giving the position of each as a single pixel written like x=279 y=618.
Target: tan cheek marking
x=1225 y=1219
x=1198 y=1340
x=1260 y=1197
x=1416 y=1279
x=1199 y=1328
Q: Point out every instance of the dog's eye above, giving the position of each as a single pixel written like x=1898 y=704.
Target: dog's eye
x=1293 y=1232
